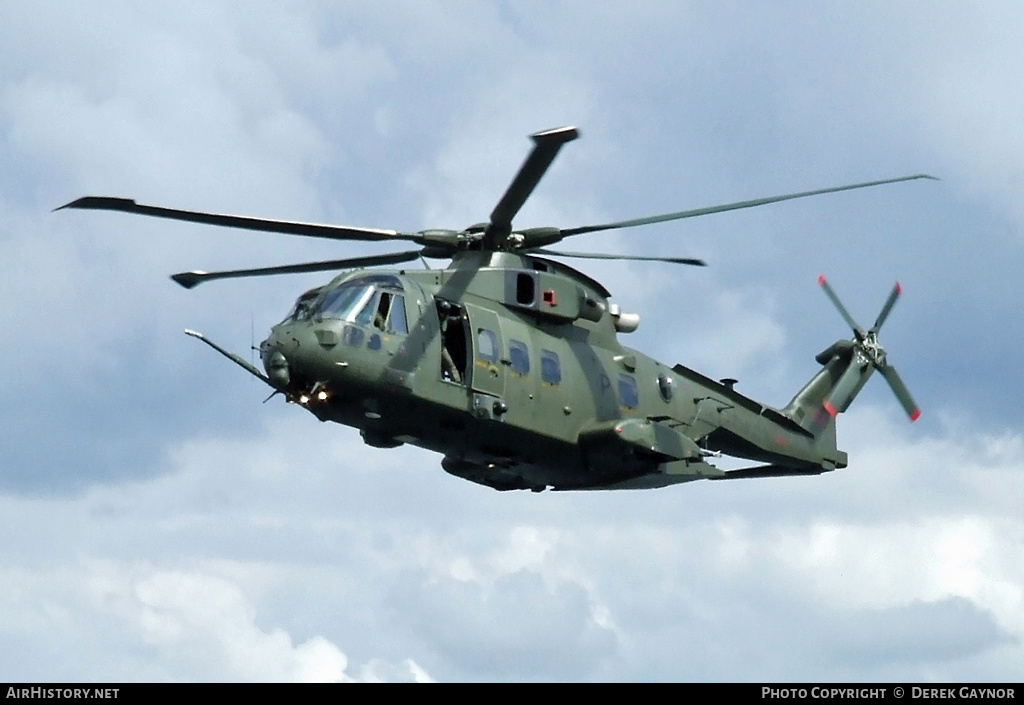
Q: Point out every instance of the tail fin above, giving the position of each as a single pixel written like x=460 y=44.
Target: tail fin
x=846 y=367
x=832 y=389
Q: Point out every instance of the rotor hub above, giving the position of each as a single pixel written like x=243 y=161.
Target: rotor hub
x=872 y=349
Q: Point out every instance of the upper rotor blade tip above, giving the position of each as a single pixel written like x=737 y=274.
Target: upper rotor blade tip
x=559 y=134
x=189 y=280
x=821 y=280
x=915 y=415
x=77 y=203
x=899 y=289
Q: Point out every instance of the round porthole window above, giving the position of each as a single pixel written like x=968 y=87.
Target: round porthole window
x=666 y=386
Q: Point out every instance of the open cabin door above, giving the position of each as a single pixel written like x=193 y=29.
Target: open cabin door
x=486 y=346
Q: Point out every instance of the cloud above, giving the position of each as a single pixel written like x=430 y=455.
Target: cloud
x=142 y=623
x=513 y=628
x=945 y=630
x=206 y=624
x=256 y=557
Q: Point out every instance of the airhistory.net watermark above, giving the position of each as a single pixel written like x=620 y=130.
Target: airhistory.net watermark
x=33 y=692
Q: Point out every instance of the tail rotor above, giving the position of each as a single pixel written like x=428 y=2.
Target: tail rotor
x=867 y=351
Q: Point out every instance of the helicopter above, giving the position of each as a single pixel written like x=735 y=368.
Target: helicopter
x=508 y=362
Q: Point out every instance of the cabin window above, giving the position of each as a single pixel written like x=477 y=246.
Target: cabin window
x=519 y=357
x=550 y=367
x=628 y=394
x=374 y=343
x=486 y=345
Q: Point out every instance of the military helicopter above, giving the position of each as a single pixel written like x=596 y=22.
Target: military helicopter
x=508 y=361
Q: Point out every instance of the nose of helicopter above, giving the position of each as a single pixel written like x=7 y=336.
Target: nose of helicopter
x=274 y=362
x=276 y=365
x=292 y=361
x=295 y=367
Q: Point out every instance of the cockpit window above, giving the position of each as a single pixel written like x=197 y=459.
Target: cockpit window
x=355 y=300
x=342 y=302
x=367 y=305
x=397 y=322
x=303 y=307
x=380 y=316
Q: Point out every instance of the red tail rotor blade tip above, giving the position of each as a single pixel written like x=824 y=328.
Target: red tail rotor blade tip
x=899 y=289
x=821 y=279
x=915 y=414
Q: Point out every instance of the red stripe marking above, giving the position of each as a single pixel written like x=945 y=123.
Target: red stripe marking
x=830 y=409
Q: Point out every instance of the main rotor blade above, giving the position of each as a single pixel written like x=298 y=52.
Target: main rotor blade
x=889 y=302
x=731 y=206
x=331 y=232
x=842 y=309
x=546 y=146
x=598 y=255
x=901 y=392
x=193 y=279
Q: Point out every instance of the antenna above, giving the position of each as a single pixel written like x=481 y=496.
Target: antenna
x=252 y=338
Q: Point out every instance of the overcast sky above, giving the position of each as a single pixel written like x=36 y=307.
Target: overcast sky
x=160 y=523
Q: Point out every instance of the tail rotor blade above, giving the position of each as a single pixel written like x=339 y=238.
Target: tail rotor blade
x=901 y=392
x=842 y=309
x=893 y=295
